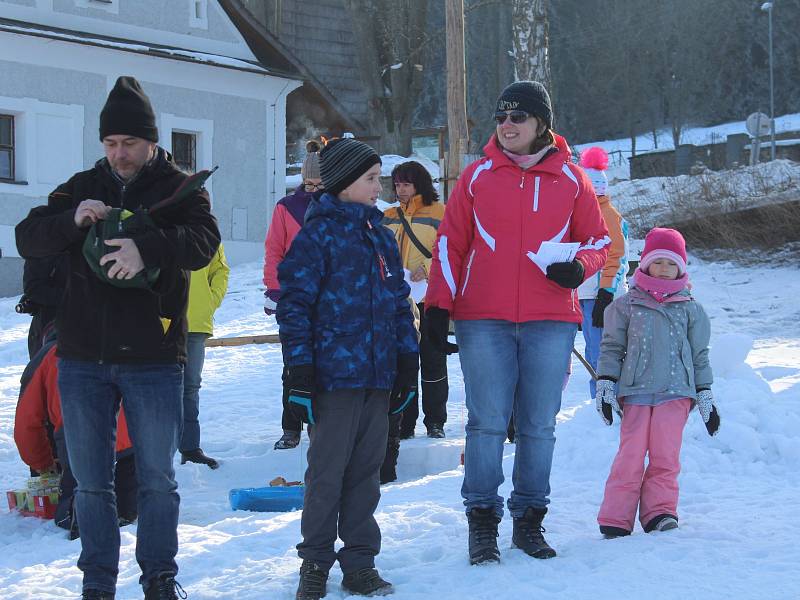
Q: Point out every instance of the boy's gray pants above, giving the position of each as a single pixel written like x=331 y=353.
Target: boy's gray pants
x=348 y=444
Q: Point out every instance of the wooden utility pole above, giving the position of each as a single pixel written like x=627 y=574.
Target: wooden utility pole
x=457 y=134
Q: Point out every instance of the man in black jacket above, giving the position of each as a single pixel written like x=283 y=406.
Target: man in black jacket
x=111 y=341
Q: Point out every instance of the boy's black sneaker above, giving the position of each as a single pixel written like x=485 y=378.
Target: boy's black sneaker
x=528 y=534
x=609 y=532
x=663 y=522
x=198 y=456
x=289 y=440
x=483 y=524
x=164 y=587
x=366 y=582
x=436 y=431
x=96 y=595
x=313 y=582
x=406 y=435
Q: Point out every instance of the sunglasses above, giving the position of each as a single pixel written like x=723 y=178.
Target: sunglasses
x=311 y=187
x=516 y=116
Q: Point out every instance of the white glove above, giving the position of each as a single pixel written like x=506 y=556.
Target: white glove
x=707 y=410
x=606 y=401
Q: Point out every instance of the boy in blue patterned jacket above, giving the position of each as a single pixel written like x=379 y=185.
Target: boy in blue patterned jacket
x=349 y=336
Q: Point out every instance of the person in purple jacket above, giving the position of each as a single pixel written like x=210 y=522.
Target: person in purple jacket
x=287 y=219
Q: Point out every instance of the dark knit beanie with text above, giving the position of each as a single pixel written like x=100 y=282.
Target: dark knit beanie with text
x=529 y=96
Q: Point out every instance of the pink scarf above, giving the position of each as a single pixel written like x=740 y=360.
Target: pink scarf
x=525 y=161
x=663 y=290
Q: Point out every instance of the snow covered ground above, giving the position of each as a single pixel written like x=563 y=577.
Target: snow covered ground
x=739 y=490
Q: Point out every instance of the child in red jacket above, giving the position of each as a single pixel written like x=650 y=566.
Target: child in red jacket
x=39 y=435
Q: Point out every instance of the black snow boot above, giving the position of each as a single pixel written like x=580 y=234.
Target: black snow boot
x=610 y=532
x=164 y=587
x=436 y=431
x=313 y=582
x=483 y=524
x=198 y=456
x=366 y=582
x=528 y=532
x=289 y=440
x=663 y=522
x=97 y=595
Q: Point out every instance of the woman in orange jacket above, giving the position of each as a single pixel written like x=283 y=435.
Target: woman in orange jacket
x=415 y=224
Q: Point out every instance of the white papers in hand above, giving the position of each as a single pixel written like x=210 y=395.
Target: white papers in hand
x=553 y=252
x=418 y=288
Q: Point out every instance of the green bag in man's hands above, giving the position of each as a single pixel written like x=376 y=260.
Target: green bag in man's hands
x=121 y=223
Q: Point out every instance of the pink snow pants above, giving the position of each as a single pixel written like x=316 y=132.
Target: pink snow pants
x=653 y=430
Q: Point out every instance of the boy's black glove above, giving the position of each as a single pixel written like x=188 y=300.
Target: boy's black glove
x=405 y=389
x=566 y=274
x=604 y=298
x=302 y=383
x=437 y=326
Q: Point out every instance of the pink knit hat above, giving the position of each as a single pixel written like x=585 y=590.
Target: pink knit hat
x=664 y=243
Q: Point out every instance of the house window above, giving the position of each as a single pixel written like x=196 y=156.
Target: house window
x=111 y=6
x=184 y=150
x=198 y=13
x=6 y=147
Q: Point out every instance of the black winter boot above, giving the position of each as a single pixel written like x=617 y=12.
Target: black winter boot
x=528 y=532
x=289 y=440
x=663 y=522
x=313 y=582
x=198 y=456
x=610 y=532
x=96 y=595
x=366 y=582
x=164 y=587
x=483 y=524
x=436 y=431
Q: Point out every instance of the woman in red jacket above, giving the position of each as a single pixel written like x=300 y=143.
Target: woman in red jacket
x=522 y=230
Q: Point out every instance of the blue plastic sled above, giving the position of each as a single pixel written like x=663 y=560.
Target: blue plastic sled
x=267 y=499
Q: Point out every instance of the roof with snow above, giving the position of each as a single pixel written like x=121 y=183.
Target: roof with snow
x=161 y=51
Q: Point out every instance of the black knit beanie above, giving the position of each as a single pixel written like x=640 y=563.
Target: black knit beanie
x=128 y=112
x=343 y=161
x=530 y=96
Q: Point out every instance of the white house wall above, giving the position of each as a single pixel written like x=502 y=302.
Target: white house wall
x=243 y=113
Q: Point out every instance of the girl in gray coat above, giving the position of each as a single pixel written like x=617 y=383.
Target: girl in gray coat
x=653 y=367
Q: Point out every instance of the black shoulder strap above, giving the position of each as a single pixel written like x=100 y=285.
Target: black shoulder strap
x=414 y=239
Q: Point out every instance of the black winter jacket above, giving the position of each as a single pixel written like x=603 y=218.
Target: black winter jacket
x=100 y=322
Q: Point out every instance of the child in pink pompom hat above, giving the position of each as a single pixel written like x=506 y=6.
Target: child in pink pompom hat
x=653 y=368
x=664 y=243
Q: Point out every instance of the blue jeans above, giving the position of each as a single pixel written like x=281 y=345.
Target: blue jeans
x=90 y=399
x=192 y=378
x=511 y=366
x=592 y=336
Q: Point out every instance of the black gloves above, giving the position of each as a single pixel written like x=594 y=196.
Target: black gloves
x=301 y=383
x=604 y=298
x=437 y=326
x=566 y=274
x=406 y=388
